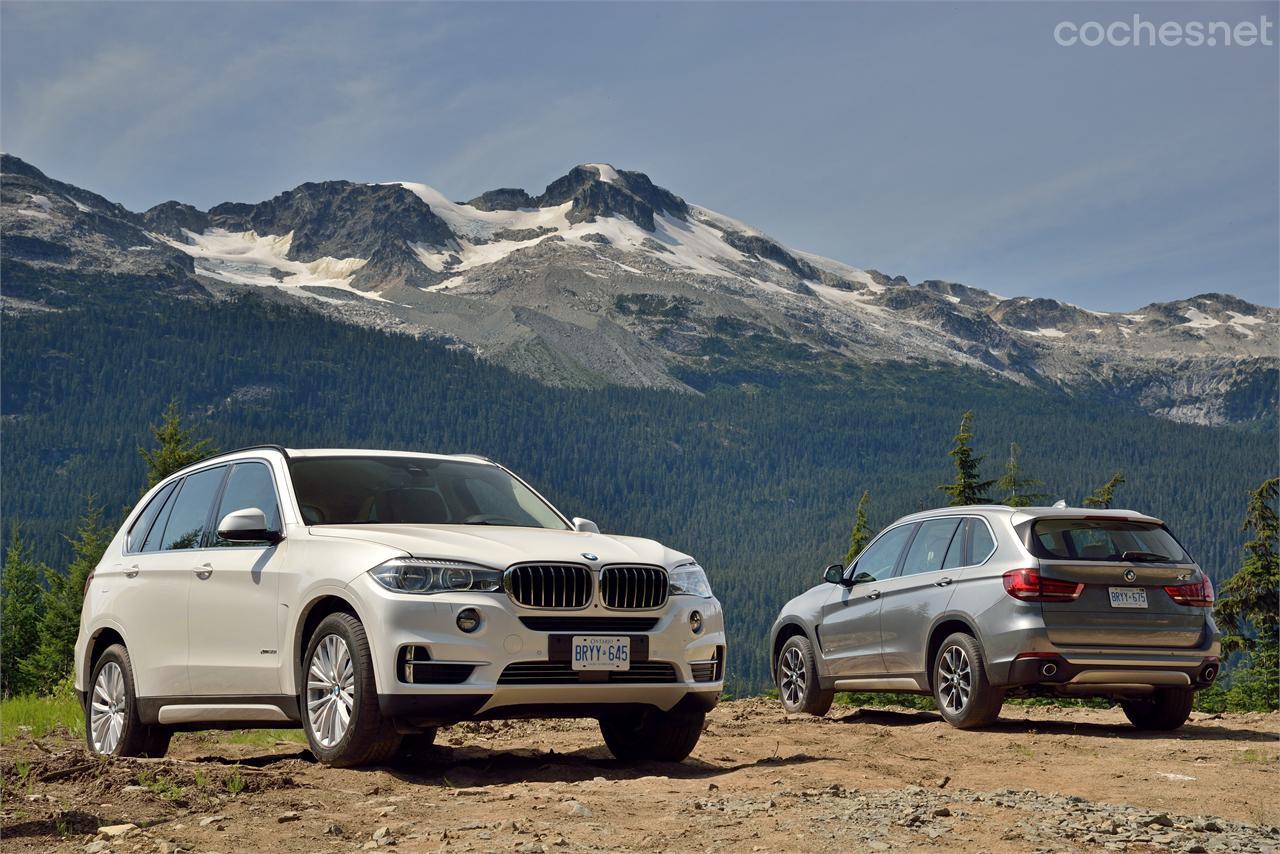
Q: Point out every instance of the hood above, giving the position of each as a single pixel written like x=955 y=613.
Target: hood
x=499 y=547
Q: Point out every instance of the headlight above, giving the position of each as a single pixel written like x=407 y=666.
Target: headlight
x=427 y=575
x=689 y=580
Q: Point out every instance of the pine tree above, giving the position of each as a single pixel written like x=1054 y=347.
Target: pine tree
x=1249 y=599
x=60 y=622
x=21 y=606
x=1018 y=491
x=1103 y=495
x=174 y=449
x=967 y=487
x=861 y=533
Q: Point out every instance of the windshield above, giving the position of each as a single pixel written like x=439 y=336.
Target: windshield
x=414 y=491
x=1106 y=539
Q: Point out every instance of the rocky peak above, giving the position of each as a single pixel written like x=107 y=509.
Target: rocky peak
x=503 y=199
x=172 y=218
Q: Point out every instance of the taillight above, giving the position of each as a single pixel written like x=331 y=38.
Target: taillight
x=1199 y=593
x=1028 y=586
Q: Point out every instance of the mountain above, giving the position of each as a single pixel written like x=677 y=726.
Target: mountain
x=607 y=279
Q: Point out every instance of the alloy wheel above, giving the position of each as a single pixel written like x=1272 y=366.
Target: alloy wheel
x=955 y=679
x=331 y=690
x=794 y=677
x=106 y=715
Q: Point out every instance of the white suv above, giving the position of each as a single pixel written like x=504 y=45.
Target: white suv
x=372 y=596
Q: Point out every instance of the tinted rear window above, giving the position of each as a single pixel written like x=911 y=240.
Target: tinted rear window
x=1105 y=540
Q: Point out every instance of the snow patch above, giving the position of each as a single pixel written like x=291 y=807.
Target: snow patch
x=1136 y=318
x=80 y=206
x=1046 y=333
x=607 y=173
x=1238 y=319
x=248 y=258
x=1197 y=319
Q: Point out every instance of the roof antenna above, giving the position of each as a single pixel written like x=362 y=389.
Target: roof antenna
x=1060 y=503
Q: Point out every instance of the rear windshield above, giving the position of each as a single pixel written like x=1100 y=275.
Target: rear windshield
x=1106 y=539
x=416 y=491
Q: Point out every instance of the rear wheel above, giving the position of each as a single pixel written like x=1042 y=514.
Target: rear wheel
x=960 y=687
x=112 y=726
x=797 y=676
x=1167 y=708
x=652 y=734
x=339 y=698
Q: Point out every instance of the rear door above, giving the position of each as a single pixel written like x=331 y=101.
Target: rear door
x=850 y=630
x=233 y=609
x=1123 y=602
x=919 y=592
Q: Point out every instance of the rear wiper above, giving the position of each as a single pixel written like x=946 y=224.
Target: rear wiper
x=1151 y=557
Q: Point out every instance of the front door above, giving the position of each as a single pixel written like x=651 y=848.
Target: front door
x=850 y=630
x=233 y=610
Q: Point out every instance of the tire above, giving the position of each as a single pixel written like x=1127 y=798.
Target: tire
x=111 y=723
x=965 y=697
x=1167 y=709
x=650 y=734
x=797 y=677
x=337 y=681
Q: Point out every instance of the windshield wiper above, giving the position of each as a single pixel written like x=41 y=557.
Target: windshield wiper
x=1148 y=557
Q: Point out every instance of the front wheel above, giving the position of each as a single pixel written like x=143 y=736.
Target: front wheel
x=964 y=696
x=340 y=711
x=652 y=734
x=797 y=676
x=112 y=726
x=1167 y=708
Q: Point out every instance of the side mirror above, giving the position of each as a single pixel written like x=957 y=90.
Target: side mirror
x=585 y=526
x=247 y=526
x=834 y=574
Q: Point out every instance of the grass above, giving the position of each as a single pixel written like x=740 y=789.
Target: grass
x=42 y=714
x=263 y=737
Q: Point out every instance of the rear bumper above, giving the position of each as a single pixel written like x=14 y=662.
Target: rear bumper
x=1086 y=672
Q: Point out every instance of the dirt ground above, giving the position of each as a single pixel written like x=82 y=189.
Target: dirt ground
x=860 y=779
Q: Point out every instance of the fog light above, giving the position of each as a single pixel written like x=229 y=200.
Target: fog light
x=695 y=622
x=468 y=620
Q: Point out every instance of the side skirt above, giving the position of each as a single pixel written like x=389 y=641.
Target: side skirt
x=221 y=711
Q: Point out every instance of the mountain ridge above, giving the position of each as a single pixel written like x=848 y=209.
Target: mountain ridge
x=607 y=278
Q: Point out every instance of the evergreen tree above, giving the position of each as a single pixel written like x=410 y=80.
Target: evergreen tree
x=1249 y=599
x=60 y=621
x=21 y=606
x=967 y=488
x=1018 y=491
x=174 y=448
x=1103 y=495
x=861 y=533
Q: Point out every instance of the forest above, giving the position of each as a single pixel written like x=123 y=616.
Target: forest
x=757 y=477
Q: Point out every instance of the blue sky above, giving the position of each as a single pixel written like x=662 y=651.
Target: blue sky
x=935 y=141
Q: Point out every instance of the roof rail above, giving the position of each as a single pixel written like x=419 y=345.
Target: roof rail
x=480 y=457
x=279 y=448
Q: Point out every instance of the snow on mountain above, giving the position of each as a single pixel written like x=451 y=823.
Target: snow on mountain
x=605 y=277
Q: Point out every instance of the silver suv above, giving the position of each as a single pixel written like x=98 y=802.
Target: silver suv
x=972 y=604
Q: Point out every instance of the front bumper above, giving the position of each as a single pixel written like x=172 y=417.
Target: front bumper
x=394 y=621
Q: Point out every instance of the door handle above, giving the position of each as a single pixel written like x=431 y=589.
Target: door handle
x=942 y=582
x=203 y=571
x=874 y=594
x=131 y=572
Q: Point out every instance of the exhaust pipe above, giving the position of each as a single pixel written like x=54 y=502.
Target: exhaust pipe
x=1048 y=669
x=1208 y=673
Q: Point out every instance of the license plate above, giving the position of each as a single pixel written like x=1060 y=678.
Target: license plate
x=588 y=652
x=1128 y=597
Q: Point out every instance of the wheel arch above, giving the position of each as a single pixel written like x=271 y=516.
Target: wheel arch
x=944 y=626
x=99 y=640
x=320 y=606
x=785 y=632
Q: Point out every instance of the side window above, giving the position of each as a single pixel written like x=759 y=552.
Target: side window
x=981 y=544
x=880 y=558
x=248 y=485
x=138 y=533
x=930 y=546
x=955 y=551
x=190 y=513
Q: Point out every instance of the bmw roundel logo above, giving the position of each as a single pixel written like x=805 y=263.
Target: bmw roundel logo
x=1130 y=575
x=589 y=556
